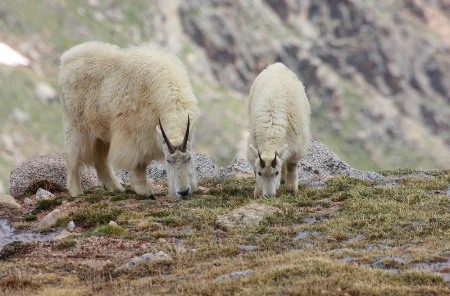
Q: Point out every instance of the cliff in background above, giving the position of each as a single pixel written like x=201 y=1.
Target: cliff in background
x=376 y=72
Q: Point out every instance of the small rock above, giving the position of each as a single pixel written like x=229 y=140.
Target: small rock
x=71 y=226
x=49 y=220
x=144 y=259
x=45 y=93
x=28 y=201
x=43 y=194
x=180 y=249
x=8 y=201
x=248 y=248
x=248 y=216
x=234 y=275
x=64 y=233
x=112 y=223
x=20 y=115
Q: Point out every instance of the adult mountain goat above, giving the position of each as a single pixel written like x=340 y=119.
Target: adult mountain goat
x=115 y=104
x=279 y=116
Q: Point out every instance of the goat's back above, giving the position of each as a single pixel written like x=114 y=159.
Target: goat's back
x=279 y=111
x=118 y=95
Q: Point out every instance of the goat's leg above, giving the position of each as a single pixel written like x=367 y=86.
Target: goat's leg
x=139 y=181
x=283 y=173
x=73 y=143
x=193 y=178
x=105 y=173
x=292 y=177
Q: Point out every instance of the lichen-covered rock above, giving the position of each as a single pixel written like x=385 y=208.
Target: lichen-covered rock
x=247 y=216
x=144 y=259
x=322 y=163
x=204 y=167
x=43 y=194
x=50 y=166
x=319 y=164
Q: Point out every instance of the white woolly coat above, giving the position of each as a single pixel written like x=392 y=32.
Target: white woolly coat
x=279 y=114
x=118 y=95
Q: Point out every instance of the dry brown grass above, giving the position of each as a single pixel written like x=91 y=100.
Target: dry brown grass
x=351 y=238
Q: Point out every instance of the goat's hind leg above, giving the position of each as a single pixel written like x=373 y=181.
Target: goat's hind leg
x=73 y=161
x=105 y=173
x=139 y=182
x=73 y=173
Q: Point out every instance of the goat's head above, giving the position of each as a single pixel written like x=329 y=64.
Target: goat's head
x=178 y=160
x=268 y=170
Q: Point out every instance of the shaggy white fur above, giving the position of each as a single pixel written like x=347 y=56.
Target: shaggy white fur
x=112 y=100
x=279 y=116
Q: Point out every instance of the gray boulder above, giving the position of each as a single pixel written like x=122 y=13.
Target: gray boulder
x=50 y=166
x=319 y=164
x=53 y=167
x=204 y=167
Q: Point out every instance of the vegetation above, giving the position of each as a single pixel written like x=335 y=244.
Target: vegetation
x=351 y=237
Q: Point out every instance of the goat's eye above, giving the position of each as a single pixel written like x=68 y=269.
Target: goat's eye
x=276 y=174
x=259 y=173
x=189 y=159
x=168 y=160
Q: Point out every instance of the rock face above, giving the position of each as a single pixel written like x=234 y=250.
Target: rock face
x=368 y=73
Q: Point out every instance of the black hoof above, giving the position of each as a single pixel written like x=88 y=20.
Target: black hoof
x=149 y=196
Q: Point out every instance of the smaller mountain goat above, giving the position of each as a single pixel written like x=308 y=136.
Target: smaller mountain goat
x=279 y=116
x=115 y=104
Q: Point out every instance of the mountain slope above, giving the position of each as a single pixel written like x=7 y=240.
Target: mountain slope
x=375 y=73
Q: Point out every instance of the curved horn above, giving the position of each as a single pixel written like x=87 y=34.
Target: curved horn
x=274 y=161
x=169 y=145
x=186 y=135
x=263 y=163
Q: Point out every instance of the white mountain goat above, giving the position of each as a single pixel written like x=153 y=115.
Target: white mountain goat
x=115 y=104
x=279 y=116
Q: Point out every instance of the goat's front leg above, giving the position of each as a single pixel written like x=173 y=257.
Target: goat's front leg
x=139 y=182
x=292 y=177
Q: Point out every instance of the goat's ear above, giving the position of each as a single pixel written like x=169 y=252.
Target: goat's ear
x=281 y=152
x=254 y=150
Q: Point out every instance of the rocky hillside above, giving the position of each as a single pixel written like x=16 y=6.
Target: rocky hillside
x=376 y=72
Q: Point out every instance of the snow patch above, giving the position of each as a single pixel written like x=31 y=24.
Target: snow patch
x=10 y=57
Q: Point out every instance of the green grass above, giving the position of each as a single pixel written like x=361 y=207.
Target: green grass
x=109 y=230
x=64 y=245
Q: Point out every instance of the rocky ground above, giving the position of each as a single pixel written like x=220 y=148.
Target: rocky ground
x=344 y=232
